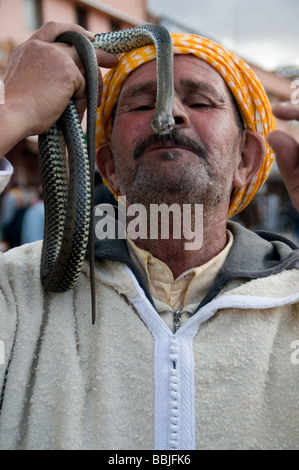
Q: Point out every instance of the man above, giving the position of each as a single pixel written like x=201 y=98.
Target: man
x=192 y=349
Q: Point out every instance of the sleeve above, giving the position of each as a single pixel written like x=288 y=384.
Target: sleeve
x=6 y=170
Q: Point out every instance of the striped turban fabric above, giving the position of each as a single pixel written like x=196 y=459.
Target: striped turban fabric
x=247 y=89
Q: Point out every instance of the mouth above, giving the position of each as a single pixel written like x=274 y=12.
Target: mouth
x=168 y=146
x=174 y=141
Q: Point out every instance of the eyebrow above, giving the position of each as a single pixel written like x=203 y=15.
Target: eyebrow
x=195 y=86
x=186 y=85
x=148 y=87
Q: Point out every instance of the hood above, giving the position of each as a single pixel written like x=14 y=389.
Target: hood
x=254 y=255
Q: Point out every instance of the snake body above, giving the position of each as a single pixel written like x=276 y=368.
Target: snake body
x=68 y=192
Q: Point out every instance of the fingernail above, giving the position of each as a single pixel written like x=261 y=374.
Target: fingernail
x=90 y=35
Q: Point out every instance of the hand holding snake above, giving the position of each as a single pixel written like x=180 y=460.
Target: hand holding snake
x=42 y=76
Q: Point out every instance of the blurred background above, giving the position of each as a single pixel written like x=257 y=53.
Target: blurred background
x=262 y=32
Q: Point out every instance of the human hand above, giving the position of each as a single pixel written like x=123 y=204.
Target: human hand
x=41 y=78
x=287 y=150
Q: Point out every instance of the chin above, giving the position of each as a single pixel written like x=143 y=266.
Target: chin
x=169 y=155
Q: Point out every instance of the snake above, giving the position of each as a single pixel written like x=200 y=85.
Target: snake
x=67 y=158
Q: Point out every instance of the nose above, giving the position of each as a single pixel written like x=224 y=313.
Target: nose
x=180 y=114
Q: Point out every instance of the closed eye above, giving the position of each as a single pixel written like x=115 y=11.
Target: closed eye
x=144 y=107
x=200 y=105
x=198 y=100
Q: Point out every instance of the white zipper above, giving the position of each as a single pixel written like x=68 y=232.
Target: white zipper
x=174 y=364
x=176 y=316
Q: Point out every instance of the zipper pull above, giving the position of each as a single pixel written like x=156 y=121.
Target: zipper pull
x=176 y=320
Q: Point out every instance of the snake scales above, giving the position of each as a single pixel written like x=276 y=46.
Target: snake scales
x=68 y=189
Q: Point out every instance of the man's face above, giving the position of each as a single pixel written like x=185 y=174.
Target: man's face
x=197 y=162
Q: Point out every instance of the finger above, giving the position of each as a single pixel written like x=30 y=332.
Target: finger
x=106 y=59
x=49 y=31
x=286 y=111
x=287 y=156
x=286 y=149
x=80 y=107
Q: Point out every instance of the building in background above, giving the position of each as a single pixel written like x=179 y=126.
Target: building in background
x=20 y=18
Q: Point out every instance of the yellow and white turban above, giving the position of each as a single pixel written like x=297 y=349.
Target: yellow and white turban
x=243 y=83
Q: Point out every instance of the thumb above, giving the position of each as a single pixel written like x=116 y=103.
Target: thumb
x=286 y=149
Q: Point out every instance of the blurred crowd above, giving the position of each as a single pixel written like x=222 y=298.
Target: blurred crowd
x=22 y=216
x=22 y=213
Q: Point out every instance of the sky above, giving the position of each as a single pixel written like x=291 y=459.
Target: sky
x=264 y=32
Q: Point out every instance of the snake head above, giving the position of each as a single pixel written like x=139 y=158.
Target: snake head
x=162 y=123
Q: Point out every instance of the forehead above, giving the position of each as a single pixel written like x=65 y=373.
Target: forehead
x=185 y=67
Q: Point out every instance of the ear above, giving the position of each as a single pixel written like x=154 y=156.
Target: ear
x=252 y=154
x=106 y=166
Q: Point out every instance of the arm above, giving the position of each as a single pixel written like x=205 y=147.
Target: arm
x=287 y=151
x=41 y=78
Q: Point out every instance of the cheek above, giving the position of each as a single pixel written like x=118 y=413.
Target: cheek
x=118 y=137
x=219 y=134
x=128 y=131
x=124 y=139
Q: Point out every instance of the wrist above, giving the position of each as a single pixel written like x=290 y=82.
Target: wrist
x=14 y=125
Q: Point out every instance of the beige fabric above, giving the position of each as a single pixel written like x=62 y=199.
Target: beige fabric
x=6 y=172
x=72 y=385
x=189 y=288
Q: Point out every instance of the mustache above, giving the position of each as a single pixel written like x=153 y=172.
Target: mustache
x=174 y=137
